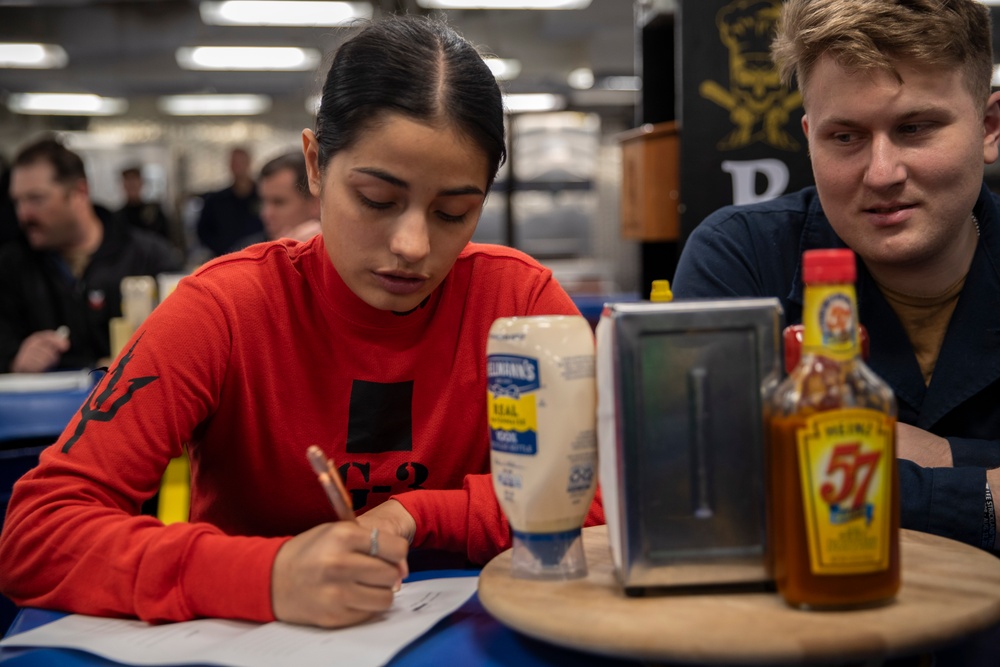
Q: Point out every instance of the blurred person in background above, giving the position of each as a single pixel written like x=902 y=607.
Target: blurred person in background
x=61 y=279
x=232 y=213
x=287 y=208
x=8 y=220
x=138 y=212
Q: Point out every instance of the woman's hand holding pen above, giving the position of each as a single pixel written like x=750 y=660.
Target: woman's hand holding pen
x=390 y=518
x=337 y=574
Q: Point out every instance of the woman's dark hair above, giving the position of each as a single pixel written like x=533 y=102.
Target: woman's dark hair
x=415 y=66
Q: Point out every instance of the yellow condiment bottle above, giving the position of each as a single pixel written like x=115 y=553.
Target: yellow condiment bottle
x=660 y=291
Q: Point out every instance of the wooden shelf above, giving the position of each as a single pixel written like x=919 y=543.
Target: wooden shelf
x=650 y=203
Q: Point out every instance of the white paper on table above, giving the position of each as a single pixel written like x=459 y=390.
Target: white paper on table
x=29 y=383
x=417 y=607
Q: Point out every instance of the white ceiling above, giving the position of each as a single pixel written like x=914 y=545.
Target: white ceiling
x=126 y=48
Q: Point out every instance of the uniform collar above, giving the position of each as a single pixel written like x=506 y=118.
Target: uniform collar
x=346 y=305
x=817 y=233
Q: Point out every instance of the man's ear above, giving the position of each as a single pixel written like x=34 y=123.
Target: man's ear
x=79 y=191
x=991 y=128
x=310 y=149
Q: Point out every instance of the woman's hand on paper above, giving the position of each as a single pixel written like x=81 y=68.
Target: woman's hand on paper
x=390 y=518
x=327 y=576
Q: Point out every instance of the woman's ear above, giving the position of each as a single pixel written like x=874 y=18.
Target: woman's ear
x=310 y=149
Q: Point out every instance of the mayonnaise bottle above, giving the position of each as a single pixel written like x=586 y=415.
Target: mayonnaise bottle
x=541 y=399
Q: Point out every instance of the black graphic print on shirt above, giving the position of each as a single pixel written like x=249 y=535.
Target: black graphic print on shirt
x=381 y=417
x=380 y=421
x=100 y=409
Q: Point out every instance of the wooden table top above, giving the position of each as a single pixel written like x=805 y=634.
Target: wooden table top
x=949 y=590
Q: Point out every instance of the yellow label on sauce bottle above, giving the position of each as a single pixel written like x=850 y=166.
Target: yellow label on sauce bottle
x=844 y=465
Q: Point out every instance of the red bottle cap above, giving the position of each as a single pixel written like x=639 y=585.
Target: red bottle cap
x=828 y=266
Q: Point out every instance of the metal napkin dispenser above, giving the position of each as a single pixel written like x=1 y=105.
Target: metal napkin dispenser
x=681 y=438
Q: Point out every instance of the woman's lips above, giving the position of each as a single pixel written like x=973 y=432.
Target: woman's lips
x=401 y=284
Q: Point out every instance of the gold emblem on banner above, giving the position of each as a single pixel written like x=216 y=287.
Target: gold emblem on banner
x=759 y=105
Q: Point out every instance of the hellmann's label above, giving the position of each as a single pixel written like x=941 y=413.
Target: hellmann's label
x=845 y=459
x=512 y=383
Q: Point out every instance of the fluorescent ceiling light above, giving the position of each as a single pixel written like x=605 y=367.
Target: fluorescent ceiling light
x=518 y=103
x=32 y=56
x=632 y=83
x=65 y=104
x=581 y=78
x=256 y=58
x=214 y=105
x=284 y=12
x=504 y=4
x=504 y=69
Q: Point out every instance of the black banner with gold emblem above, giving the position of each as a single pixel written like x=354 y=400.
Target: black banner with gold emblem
x=741 y=136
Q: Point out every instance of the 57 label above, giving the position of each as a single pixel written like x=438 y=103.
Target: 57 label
x=855 y=469
x=844 y=469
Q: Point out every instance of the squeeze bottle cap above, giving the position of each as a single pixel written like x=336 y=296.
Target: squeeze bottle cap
x=661 y=291
x=828 y=266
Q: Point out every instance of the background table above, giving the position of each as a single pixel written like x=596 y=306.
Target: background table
x=949 y=591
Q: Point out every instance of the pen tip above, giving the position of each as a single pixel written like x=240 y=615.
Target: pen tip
x=316 y=459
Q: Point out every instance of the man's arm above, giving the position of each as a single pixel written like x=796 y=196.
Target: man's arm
x=922 y=447
x=989 y=536
x=13 y=324
x=10 y=343
x=940 y=498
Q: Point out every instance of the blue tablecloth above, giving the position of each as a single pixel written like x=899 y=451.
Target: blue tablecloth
x=38 y=414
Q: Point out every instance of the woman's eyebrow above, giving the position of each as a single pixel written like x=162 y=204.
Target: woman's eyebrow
x=383 y=175
x=400 y=183
x=464 y=190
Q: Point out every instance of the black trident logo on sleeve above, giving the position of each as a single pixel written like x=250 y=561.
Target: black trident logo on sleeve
x=99 y=409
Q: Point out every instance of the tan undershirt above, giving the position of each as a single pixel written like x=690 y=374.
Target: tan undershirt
x=925 y=320
x=78 y=262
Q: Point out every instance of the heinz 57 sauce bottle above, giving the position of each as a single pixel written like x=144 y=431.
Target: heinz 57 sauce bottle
x=833 y=496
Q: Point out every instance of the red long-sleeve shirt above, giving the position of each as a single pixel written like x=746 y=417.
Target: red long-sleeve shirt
x=252 y=359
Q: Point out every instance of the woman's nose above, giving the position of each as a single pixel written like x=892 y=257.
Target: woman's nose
x=410 y=237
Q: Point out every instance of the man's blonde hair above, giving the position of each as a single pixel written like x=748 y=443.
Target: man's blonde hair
x=873 y=34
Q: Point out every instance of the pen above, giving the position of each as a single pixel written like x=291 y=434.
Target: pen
x=331 y=482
